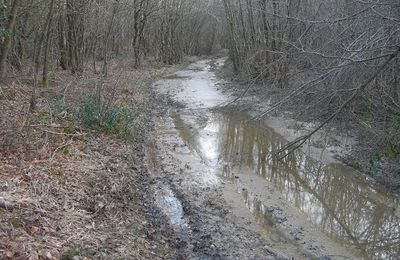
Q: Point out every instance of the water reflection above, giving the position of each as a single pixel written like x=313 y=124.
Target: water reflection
x=333 y=196
x=261 y=212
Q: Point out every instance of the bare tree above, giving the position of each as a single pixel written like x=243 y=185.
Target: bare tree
x=6 y=44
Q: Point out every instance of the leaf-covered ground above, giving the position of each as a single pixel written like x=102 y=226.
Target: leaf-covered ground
x=67 y=191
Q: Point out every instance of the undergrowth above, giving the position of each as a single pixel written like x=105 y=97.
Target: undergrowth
x=379 y=149
x=96 y=113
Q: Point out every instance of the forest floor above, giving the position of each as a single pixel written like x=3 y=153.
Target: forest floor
x=69 y=191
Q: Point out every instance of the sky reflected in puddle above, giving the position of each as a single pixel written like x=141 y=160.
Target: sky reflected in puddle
x=334 y=197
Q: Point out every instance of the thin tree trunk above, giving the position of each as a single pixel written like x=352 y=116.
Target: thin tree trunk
x=62 y=44
x=7 y=41
x=107 y=38
x=37 y=54
x=45 y=78
x=37 y=57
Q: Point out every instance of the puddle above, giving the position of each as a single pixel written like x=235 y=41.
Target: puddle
x=262 y=213
x=196 y=86
x=173 y=209
x=336 y=199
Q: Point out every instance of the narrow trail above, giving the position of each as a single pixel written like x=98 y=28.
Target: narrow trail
x=224 y=198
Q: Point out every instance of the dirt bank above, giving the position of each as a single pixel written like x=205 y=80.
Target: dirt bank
x=70 y=191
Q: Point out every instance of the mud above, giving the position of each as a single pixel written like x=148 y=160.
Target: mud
x=223 y=197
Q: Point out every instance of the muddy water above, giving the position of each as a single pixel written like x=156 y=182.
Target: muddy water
x=334 y=197
x=337 y=200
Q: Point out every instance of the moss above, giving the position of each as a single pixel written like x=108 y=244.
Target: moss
x=45 y=82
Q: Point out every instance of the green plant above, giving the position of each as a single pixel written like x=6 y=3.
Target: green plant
x=392 y=130
x=2 y=5
x=116 y=119
x=128 y=120
x=15 y=223
x=366 y=112
x=69 y=129
x=90 y=113
x=72 y=253
x=111 y=119
x=396 y=121
x=65 y=151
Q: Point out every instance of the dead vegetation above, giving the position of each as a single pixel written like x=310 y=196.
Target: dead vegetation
x=68 y=191
x=324 y=62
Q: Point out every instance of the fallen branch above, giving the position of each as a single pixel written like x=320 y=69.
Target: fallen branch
x=44 y=125
x=58 y=133
x=297 y=143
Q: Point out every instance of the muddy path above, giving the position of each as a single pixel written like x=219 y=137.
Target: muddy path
x=222 y=197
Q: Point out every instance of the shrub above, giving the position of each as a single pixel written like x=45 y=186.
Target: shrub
x=90 y=113
x=114 y=119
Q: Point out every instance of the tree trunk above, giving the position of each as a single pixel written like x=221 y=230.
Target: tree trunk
x=107 y=38
x=62 y=42
x=37 y=58
x=75 y=33
x=45 y=78
x=7 y=41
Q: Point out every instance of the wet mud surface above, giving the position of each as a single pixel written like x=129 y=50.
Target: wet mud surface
x=221 y=196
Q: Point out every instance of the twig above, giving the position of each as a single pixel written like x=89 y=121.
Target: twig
x=60 y=147
x=301 y=140
x=46 y=125
x=58 y=133
x=26 y=118
x=65 y=90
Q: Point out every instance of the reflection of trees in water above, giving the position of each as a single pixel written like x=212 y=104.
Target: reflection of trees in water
x=332 y=196
x=259 y=210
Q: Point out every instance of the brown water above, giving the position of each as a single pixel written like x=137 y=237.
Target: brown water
x=336 y=199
